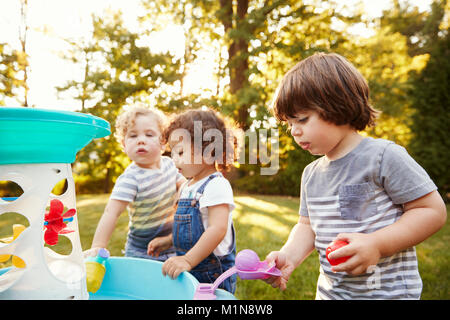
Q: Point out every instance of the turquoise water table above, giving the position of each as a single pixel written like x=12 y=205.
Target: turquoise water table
x=37 y=147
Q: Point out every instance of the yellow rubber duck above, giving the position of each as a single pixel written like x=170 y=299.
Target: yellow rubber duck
x=16 y=261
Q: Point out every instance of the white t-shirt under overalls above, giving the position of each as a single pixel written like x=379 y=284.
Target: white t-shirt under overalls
x=217 y=191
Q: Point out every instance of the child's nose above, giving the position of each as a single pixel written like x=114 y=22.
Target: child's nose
x=296 y=130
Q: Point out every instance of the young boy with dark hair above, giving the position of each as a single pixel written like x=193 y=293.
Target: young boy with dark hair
x=367 y=192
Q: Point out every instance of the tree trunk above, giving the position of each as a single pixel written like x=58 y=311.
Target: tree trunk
x=237 y=54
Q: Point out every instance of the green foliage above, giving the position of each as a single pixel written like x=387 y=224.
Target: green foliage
x=12 y=62
x=384 y=61
x=430 y=145
x=427 y=88
x=284 y=181
x=406 y=19
x=128 y=72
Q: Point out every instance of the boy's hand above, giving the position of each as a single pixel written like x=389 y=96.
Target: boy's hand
x=175 y=265
x=159 y=244
x=363 y=249
x=286 y=267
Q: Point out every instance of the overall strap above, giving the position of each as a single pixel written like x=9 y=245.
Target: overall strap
x=203 y=186
x=199 y=192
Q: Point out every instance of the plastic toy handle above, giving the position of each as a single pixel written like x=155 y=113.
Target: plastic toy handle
x=222 y=277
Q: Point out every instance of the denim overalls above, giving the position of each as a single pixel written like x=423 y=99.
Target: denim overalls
x=187 y=229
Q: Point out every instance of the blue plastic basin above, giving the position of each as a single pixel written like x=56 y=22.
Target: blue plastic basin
x=142 y=279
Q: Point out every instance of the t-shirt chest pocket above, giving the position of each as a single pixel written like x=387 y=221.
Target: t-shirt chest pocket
x=356 y=201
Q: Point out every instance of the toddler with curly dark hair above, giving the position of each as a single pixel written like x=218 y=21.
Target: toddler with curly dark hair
x=202 y=144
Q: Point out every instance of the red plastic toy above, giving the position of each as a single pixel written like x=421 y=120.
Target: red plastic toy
x=54 y=222
x=334 y=246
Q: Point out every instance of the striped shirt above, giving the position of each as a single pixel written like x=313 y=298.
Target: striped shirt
x=151 y=193
x=363 y=192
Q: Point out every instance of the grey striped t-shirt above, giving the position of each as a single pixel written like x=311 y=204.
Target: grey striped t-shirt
x=363 y=192
x=151 y=193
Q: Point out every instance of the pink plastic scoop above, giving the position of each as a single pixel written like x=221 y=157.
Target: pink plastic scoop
x=247 y=266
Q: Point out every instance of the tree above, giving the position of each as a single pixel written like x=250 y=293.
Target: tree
x=430 y=101
x=81 y=52
x=249 y=31
x=384 y=61
x=420 y=28
x=121 y=71
x=14 y=66
x=427 y=88
x=264 y=40
x=261 y=41
x=11 y=63
x=199 y=32
x=430 y=146
x=255 y=42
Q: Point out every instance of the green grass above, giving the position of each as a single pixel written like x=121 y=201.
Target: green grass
x=263 y=224
x=90 y=208
x=434 y=264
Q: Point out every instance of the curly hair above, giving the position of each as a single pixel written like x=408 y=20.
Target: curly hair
x=210 y=122
x=127 y=119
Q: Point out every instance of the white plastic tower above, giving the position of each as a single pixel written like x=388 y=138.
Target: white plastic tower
x=47 y=274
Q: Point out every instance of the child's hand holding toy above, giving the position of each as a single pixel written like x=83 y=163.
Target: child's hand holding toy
x=283 y=263
x=354 y=254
